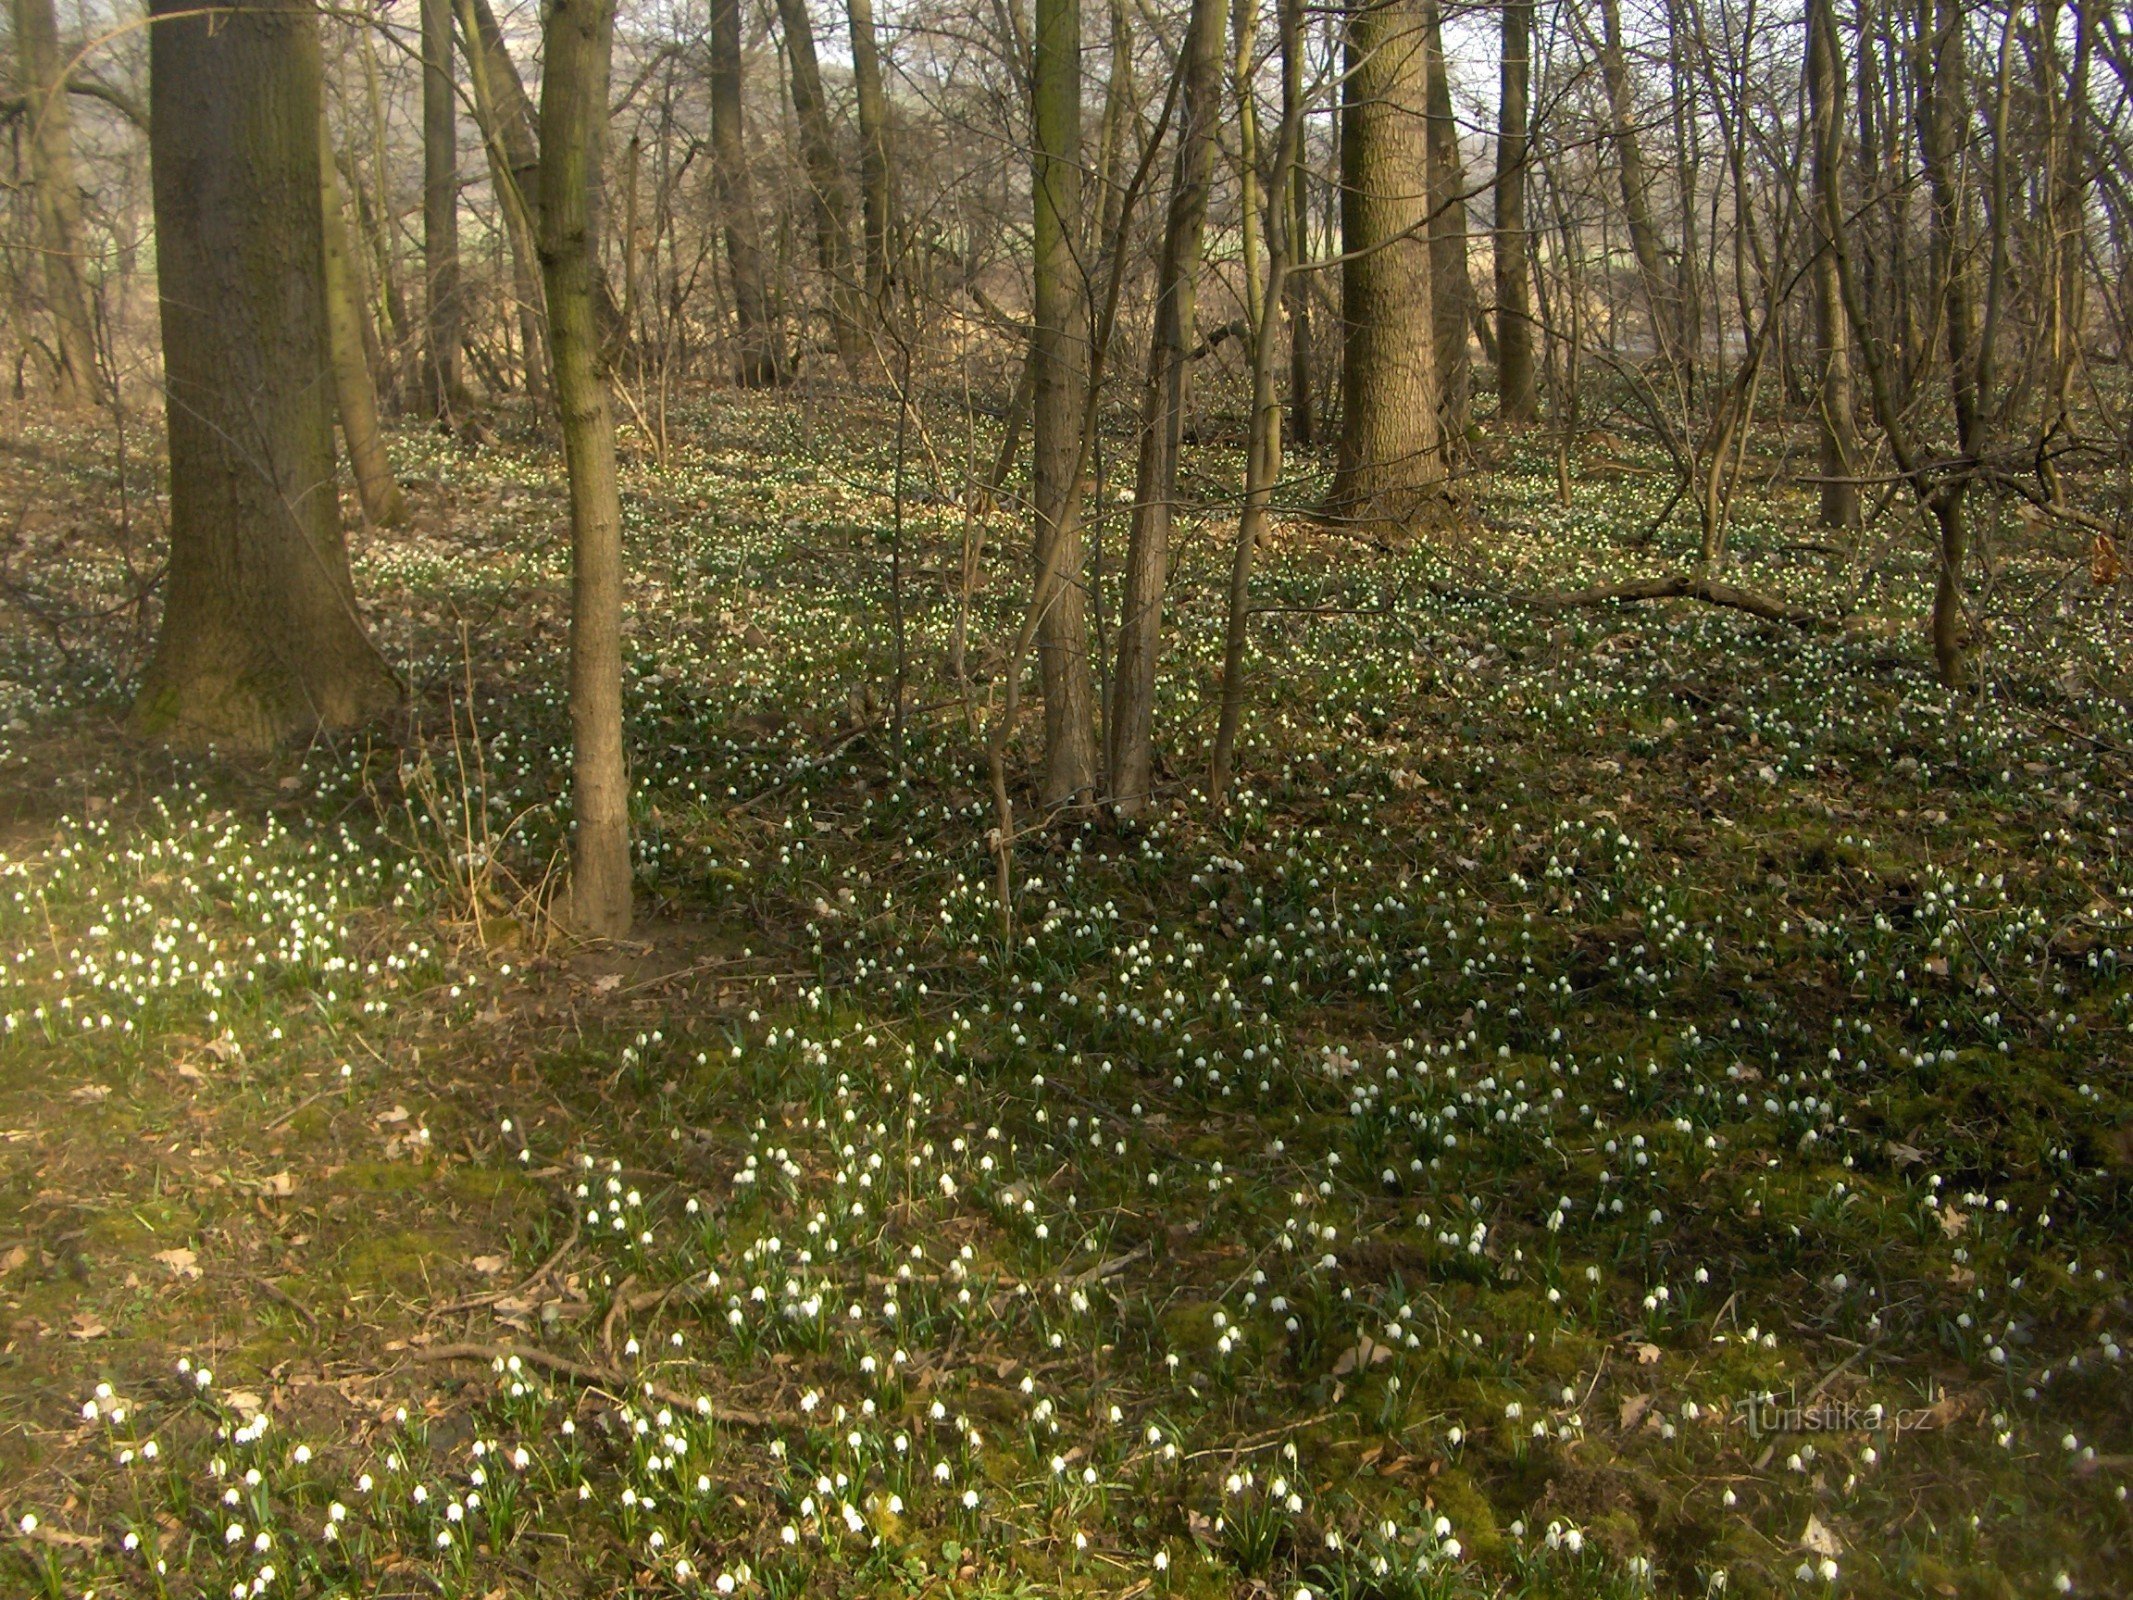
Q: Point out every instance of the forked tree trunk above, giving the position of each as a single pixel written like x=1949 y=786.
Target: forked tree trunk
x=440 y=213
x=1517 y=403
x=1140 y=623
x=877 y=199
x=1451 y=287
x=1391 y=466
x=1839 y=430
x=505 y=119
x=260 y=638
x=75 y=378
x=825 y=180
x=1059 y=362
x=573 y=109
x=759 y=359
x=355 y=395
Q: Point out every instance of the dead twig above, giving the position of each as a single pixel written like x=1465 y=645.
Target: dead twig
x=600 y=1377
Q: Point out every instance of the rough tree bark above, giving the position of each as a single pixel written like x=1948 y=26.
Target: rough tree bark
x=76 y=379
x=1059 y=359
x=1451 y=286
x=1391 y=466
x=759 y=360
x=1517 y=402
x=825 y=178
x=1162 y=430
x=260 y=638
x=354 y=392
x=440 y=213
x=573 y=108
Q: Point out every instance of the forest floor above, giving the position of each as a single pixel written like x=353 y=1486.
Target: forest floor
x=1627 y=1099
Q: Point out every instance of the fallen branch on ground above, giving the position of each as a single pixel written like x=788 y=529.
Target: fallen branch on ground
x=1768 y=607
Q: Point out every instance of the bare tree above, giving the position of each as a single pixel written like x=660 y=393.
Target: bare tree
x=76 y=379
x=1162 y=425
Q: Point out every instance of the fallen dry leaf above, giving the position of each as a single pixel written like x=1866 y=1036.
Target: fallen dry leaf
x=1648 y=1355
x=488 y=1266
x=1818 y=1539
x=182 y=1262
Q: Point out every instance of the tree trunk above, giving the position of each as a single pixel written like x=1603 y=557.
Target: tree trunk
x=1059 y=362
x=825 y=177
x=1391 y=467
x=1140 y=625
x=441 y=388
x=1262 y=461
x=876 y=177
x=354 y=394
x=1516 y=401
x=1635 y=180
x=1296 y=197
x=1451 y=286
x=759 y=361
x=1840 y=437
x=573 y=108
x=260 y=638
x=75 y=377
x=1943 y=124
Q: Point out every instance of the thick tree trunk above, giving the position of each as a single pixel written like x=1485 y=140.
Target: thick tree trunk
x=1391 y=466
x=1451 y=286
x=1140 y=623
x=877 y=199
x=75 y=378
x=1059 y=360
x=355 y=396
x=441 y=393
x=759 y=361
x=1517 y=402
x=1840 y=435
x=260 y=637
x=573 y=109
x=825 y=178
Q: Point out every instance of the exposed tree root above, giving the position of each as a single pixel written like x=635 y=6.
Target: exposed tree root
x=1681 y=587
